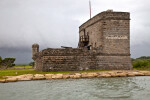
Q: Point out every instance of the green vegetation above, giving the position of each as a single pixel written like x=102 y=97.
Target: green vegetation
x=15 y=72
x=7 y=62
x=31 y=64
x=23 y=67
x=141 y=63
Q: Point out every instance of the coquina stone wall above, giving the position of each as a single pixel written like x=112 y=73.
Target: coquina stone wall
x=79 y=59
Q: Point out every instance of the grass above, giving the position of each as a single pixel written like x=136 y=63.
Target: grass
x=15 y=72
x=25 y=67
x=20 y=70
x=143 y=68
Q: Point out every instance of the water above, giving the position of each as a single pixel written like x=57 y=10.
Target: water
x=127 y=88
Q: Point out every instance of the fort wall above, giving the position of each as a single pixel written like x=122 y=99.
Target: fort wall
x=108 y=36
x=79 y=59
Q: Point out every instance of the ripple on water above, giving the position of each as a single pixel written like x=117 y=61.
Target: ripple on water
x=126 y=88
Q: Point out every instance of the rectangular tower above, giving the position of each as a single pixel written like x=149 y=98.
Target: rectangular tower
x=108 y=32
x=108 y=36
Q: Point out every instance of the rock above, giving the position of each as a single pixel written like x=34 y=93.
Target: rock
x=146 y=73
x=21 y=76
x=123 y=74
x=9 y=76
x=12 y=79
x=75 y=76
x=48 y=76
x=130 y=74
x=26 y=77
x=138 y=73
x=30 y=75
x=84 y=75
x=113 y=74
x=105 y=75
x=2 y=80
x=66 y=76
x=91 y=75
x=38 y=77
x=57 y=76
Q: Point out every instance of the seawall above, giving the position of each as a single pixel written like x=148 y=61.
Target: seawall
x=101 y=74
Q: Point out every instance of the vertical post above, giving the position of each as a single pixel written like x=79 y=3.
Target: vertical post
x=90 y=7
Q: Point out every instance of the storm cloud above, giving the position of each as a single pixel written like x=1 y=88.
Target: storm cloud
x=54 y=23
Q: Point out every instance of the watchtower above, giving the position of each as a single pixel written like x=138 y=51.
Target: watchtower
x=108 y=32
x=35 y=49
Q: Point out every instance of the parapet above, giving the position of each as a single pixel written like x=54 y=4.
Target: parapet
x=35 y=45
x=105 y=15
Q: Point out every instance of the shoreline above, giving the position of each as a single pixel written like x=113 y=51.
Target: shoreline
x=101 y=74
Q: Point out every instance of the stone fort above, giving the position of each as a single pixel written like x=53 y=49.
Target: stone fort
x=104 y=44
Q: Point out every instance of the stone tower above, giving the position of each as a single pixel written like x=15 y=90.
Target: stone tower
x=35 y=49
x=108 y=32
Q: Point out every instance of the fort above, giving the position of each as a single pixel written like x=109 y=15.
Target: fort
x=104 y=44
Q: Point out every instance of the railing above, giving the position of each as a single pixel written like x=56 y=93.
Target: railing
x=84 y=38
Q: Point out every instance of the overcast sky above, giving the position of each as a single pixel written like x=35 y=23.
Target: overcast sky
x=55 y=23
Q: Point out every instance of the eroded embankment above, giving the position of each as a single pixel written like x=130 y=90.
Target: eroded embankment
x=101 y=74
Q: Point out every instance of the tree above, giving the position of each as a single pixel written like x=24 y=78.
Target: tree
x=31 y=64
x=0 y=61
x=8 y=62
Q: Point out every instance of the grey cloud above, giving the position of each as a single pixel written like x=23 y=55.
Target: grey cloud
x=53 y=23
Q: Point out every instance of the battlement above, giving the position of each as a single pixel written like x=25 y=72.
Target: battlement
x=64 y=52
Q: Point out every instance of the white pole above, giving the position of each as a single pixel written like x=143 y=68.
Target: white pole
x=90 y=7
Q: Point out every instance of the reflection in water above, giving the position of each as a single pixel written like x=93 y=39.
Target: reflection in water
x=131 y=88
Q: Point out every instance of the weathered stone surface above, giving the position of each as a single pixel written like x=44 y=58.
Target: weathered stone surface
x=138 y=73
x=48 y=76
x=26 y=77
x=113 y=74
x=104 y=75
x=57 y=76
x=13 y=79
x=39 y=77
x=75 y=76
x=130 y=74
x=84 y=75
x=66 y=76
x=147 y=73
x=122 y=74
x=2 y=80
x=91 y=75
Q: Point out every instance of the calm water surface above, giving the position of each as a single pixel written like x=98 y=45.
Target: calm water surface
x=131 y=88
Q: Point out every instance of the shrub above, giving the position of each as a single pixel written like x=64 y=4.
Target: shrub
x=140 y=64
x=7 y=62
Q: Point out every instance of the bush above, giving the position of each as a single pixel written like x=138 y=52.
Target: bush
x=0 y=60
x=31 y=64
x=141 y=63
x=7 y=62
